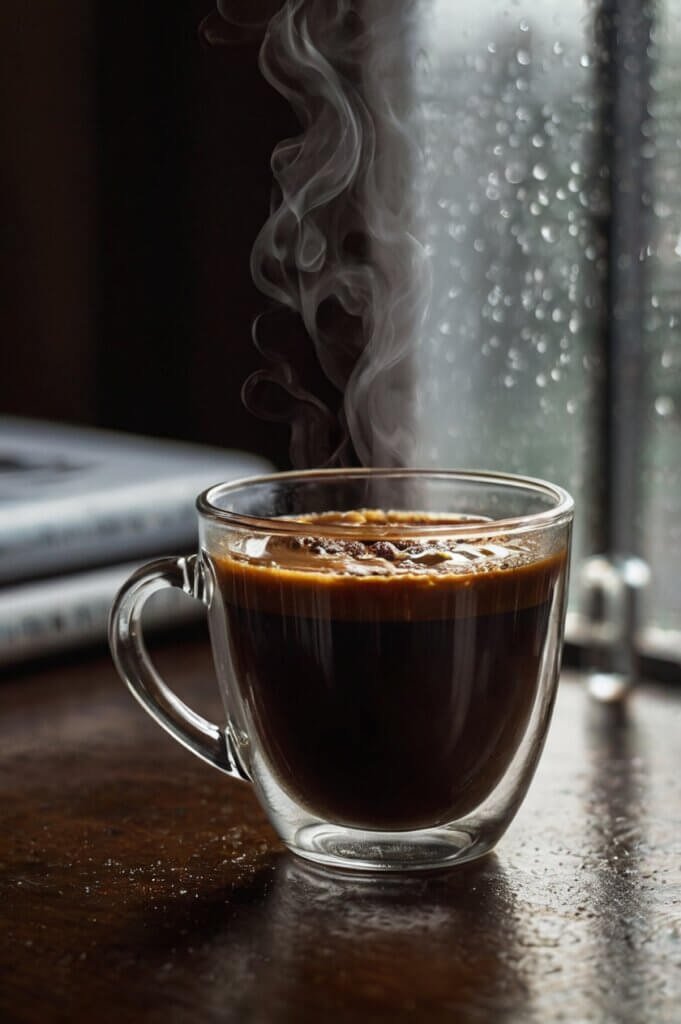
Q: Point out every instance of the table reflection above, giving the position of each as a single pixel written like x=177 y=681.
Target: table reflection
x=372 y=947
x=615 y=812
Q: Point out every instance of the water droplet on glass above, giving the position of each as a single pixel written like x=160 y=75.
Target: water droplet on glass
x=548 y=233
x=541 y=380
x=661 y=209
x=585 y=60
x=558 y=48
x=523 y=57
x=508 y=381
x=664 y=405
x=571 y=406
x=445 y=327
x=515 y=173
x=540 y=172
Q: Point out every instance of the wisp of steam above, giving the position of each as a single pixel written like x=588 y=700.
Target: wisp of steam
x=340 y=250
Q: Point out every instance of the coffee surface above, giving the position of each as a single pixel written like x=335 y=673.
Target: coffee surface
x=402 y=574
x=389 y=679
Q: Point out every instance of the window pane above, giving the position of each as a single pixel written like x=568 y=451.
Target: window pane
x=509 y=358
x=661 y=505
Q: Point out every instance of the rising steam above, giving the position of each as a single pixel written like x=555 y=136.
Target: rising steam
x=339 y=248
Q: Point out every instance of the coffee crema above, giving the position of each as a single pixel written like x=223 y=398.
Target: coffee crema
x=391 y=678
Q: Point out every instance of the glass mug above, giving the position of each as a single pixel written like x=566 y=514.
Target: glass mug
x=387 y=644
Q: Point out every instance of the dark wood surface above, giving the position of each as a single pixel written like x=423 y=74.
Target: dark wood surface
x=138 y=884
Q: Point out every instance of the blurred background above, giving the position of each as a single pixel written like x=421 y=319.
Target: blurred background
x=135 y=178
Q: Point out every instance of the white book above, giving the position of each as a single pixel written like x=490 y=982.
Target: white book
x=73 y=498
x=46 y=617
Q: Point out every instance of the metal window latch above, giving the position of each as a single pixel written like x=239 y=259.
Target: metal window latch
x=611 y=590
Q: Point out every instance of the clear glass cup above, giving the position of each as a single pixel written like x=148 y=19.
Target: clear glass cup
x=388 y=677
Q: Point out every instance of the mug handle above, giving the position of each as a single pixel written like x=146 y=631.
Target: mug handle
x=208 y=741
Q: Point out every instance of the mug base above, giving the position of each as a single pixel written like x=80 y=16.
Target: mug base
x=352 y=849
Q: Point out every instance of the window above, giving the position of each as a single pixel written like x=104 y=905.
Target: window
x=550 y=195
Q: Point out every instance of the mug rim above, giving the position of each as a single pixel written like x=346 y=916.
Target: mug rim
x=562 y=513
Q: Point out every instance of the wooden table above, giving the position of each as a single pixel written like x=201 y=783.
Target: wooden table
x=138 y=884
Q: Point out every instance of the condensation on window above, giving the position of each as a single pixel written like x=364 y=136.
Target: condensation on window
x=509 y=360
x=513 y=189
x=660 y=523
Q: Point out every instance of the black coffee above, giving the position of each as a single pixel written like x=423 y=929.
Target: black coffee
x=390 y=682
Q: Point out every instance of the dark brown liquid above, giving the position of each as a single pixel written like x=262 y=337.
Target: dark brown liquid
x=394 y=695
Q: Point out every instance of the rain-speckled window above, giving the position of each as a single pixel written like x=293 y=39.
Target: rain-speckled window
x=660 y=519
x=550 y=201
